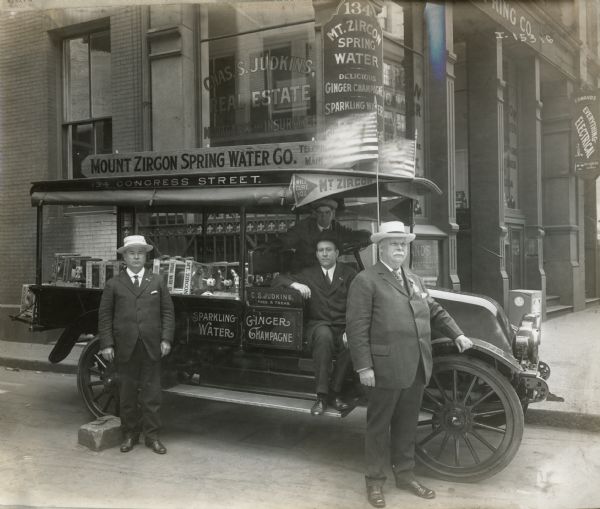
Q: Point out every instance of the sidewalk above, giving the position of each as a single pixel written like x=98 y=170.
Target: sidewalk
x=34 y=357
x=570 y=345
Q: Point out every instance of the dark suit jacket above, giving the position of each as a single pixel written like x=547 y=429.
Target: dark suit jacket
x=389 y=329
x=127 y=313
x=303 y=238
x=327 y=304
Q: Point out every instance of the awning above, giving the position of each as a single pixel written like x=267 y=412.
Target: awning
x=273 y=188
x=235 y=196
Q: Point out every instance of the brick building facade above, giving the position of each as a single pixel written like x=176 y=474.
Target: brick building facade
x=483 y=239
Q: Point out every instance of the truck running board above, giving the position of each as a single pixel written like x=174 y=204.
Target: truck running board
x=250 y=398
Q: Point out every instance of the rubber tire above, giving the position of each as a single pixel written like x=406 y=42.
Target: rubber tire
x=87 y=361
x=515 y=421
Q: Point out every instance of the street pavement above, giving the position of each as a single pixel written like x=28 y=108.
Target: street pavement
x=570 y=345
x=230 y=456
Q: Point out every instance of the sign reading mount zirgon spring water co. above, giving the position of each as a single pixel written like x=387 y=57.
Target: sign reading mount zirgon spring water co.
x=267 y=156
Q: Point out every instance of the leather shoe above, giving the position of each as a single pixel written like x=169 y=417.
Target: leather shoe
x=319 y=407
x=339 y=404
x=416 y=488
x=156 y=446
x=375 y=496
x=128 y=443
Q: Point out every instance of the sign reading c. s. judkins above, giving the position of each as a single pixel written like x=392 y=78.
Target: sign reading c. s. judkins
x=202 y=160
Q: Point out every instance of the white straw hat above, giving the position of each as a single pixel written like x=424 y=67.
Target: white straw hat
x=392 y=229
x=135 y=241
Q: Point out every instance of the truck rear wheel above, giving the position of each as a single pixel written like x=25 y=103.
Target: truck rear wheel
x=472 y=421
x=97 y=381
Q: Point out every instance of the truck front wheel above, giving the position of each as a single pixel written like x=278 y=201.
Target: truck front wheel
x=471 y=421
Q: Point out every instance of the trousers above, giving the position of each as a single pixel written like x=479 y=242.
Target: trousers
x=392 y=417
x=140 y=394
x=326 y=346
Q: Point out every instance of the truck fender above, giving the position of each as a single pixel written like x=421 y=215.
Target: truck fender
x=87 y=323
x=481 y=349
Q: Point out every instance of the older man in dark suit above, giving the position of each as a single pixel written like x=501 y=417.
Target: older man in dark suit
x=388 y=322
x=325 y=284
x=136 y=324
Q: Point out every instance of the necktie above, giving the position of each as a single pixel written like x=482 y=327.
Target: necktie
x=398 y=276
x=136 y=281
x=329 y=278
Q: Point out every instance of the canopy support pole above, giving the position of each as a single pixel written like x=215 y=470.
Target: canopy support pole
x=243 y=254
x=39 y=244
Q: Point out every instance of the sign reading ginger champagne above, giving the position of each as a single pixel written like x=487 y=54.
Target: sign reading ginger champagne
x=352 y=61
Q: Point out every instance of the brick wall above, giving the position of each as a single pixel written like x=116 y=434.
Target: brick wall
x=25 y=108
x=87 y=234
x=30 y=92
x=126 y=47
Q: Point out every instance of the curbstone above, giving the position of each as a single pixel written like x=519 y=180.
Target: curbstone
x=103 y=433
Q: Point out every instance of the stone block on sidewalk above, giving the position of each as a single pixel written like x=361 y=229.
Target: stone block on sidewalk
x=103 y=433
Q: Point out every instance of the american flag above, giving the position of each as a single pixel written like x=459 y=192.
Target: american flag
x=351 y=141
x=398 y=157
x=354 y=140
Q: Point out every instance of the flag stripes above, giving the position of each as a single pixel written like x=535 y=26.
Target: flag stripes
x=355 y=140
x=351 y=141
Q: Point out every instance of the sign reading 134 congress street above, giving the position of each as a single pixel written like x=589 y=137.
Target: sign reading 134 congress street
x=352 y=60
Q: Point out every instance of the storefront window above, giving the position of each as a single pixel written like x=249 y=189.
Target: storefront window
x=402 y=87
x=425 y=260
x=258 y=79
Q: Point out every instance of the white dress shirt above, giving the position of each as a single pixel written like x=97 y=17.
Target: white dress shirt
x=328 y=273
x=139 y=275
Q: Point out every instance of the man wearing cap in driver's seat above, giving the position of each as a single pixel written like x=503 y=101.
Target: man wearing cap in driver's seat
x=136 y=324
x=302 y=238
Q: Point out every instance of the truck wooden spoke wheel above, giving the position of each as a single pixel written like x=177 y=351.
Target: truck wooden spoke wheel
x=97 y=381
x=472 y=421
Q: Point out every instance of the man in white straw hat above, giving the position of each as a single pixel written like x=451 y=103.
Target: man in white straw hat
x=302 y=238
x=389 y=317
x=136 y=324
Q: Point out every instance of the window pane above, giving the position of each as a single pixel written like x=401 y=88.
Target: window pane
x=225 y=18
x=103 y=137
x=82 y=143
x=101 y=76
x=259 y=87
x=394 y=92
x=394 y=22
x=77 y=80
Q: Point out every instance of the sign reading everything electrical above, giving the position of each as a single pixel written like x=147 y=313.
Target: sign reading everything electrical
x=587 y=160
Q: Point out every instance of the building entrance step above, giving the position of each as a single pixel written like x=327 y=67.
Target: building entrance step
x=557 y=310
x=552 y=300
